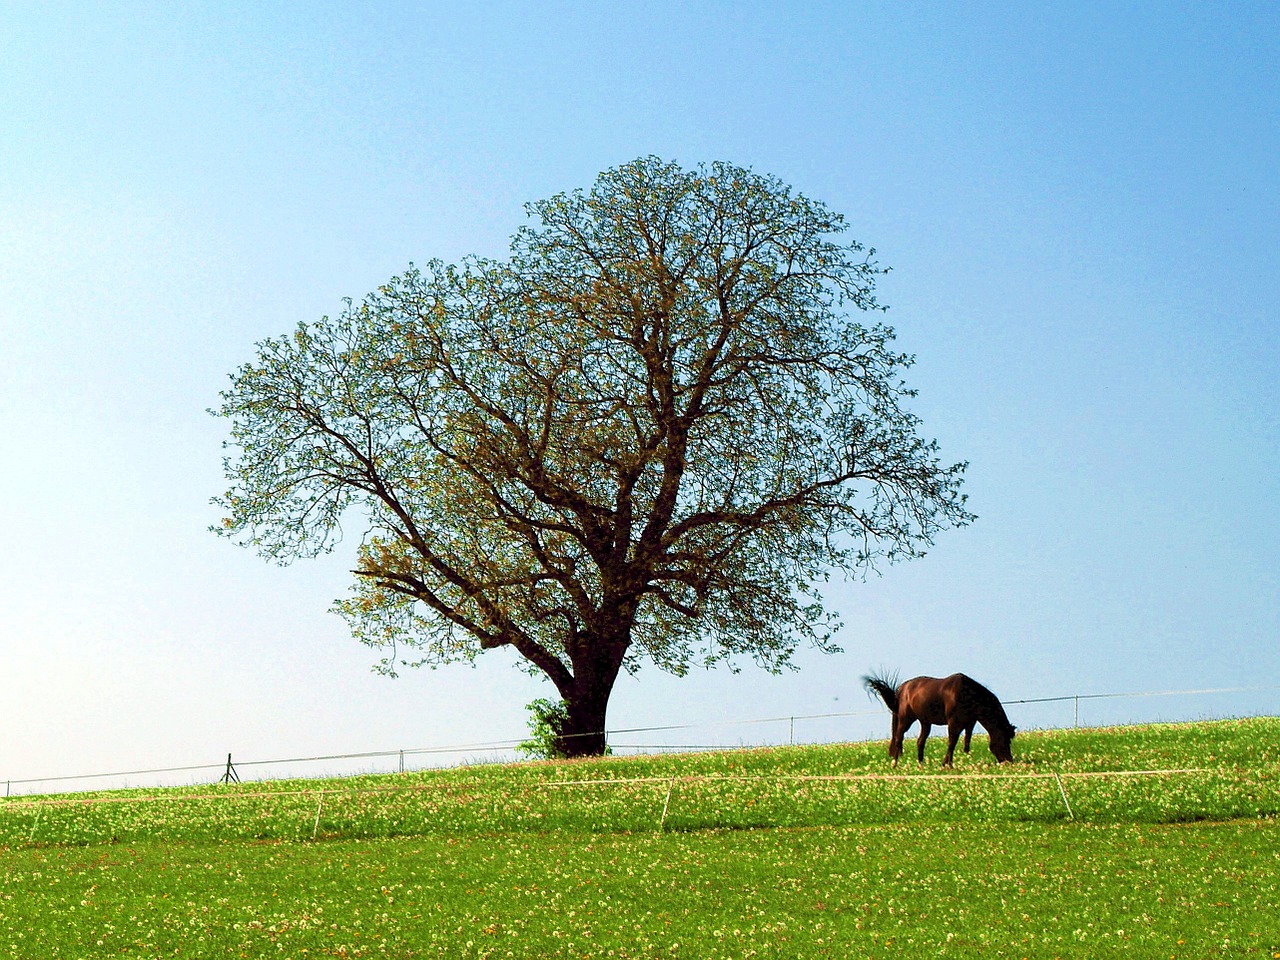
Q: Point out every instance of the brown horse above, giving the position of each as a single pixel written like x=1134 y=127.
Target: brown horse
x=957 y=701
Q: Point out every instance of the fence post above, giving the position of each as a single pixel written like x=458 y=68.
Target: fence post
x=402 y=761
x=662 y=824
x=793 y=731
x=1062 y=790
x=1077 y=718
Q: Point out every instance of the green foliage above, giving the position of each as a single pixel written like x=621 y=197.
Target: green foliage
x=546 y=721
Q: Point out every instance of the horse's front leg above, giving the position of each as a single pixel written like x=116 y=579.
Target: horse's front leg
x=924 y=735
x=953 y=735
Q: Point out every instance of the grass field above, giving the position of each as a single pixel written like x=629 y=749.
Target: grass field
x=1078 y=850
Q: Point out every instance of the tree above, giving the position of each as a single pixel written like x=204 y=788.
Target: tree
x=651 y=433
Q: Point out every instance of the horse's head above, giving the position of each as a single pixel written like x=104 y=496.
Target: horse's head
x=1001 y=742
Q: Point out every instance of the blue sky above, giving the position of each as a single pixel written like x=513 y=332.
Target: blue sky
x=1079 y=203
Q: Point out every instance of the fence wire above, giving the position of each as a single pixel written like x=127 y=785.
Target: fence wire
x=508 y=746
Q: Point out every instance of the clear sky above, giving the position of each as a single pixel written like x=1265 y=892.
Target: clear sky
x=1079 y=203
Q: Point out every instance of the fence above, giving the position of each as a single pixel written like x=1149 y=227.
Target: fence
x=536 y=801
x=653 y=741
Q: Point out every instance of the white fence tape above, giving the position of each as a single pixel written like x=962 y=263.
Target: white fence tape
x=934 y=781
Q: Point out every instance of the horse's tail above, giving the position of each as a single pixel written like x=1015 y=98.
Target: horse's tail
x=886 y=687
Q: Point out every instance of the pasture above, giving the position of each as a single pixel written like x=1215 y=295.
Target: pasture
x=1079 y=849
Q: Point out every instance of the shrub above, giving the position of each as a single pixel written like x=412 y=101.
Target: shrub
x=546 y=720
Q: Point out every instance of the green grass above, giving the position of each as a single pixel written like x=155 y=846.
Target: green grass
x=754 y=857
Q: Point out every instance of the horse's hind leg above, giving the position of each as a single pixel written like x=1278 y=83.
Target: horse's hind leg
x=924 y=735
x=968 y=732
x=895 y=740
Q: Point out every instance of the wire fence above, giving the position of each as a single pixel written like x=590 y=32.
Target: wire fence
x=815 y=728
x=682 y=802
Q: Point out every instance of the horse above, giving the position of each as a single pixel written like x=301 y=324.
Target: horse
x=957 y=700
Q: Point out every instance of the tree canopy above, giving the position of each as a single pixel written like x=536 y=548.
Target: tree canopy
x=650 y=433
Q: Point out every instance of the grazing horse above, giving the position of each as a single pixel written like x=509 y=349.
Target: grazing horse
x=957 y=701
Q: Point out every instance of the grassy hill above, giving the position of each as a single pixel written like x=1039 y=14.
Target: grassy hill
x=1133 y=841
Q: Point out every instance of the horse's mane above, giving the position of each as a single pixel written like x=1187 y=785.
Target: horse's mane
x=989 y=699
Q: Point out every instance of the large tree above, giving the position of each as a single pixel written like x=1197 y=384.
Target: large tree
x=650 y=433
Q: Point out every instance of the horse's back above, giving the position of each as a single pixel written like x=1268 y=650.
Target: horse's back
x=936 y=686
x=954 y=680
x=942 y=699
x=928 y=698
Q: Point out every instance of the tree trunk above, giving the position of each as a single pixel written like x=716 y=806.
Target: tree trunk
x=582 y=734
x=587 y=700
